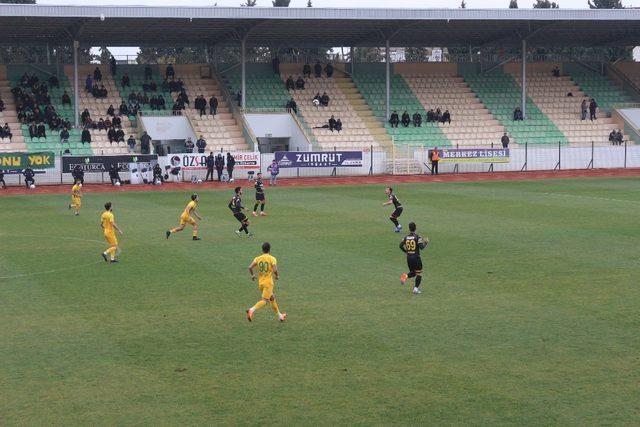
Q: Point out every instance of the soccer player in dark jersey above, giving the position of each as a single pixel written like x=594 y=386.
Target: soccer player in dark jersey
x=397 y=208
x=411 y=245
x=259 y=186
x=236 y=208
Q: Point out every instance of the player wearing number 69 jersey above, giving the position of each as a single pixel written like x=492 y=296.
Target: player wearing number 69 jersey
x=267 y=269
x=411 y=245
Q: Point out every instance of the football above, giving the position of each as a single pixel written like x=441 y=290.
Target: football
x=32 y=186
x=117 y=184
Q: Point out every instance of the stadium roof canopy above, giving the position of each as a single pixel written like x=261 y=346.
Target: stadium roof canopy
x=313 y=27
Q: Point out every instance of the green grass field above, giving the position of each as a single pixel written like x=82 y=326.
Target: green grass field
x=529 y=313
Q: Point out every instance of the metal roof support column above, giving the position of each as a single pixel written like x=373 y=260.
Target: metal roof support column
x=243 y=47
x=524 y=79
x=48 y=55
x=76 y=96
x=353 y=60
x=388 y=81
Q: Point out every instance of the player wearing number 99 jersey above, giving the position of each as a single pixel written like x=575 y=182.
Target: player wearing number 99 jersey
x=267 y=270
x=411 y=245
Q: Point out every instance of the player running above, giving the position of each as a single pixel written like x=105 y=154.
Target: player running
x=267 y=270
x=76 y=197
x=186 y=218
x=398 y=208
x=411 y=245
x=108 y=224
x=236 y=208
x=259 y=186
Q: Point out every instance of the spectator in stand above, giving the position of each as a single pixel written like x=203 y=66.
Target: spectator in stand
x=119 y=135
x=593 y=107
x=131 y=143
x=147 y=72
x=329 y=70
x=153 y=87
x=123 y=109
x=555 y=71
x=113 y=65
x=300 y=83
x=161 y=103
x=188 y=145
x=324 y=100
x=417 y=119
x=394 y=119
x=201 y=144
x=101 y=125
x=64 y=136
x=153 y=103
x=213 y=106
x=446 y=117
x=292 y=106
x=1 y=105
x=438 y=115
x=97 y=75
x=505 y=140
x=85 y=115
x=170 y=72
x=117 y=121
x=42 y=131
x=54 y=82
x=612 y=137
x=5 y=132
x=126 y=81
x=338 y=125
x=290 y=85
x=145 y=143
x=317 y=69
x=88 y=83
x=276 y=65
x=517 y=114
x=583 y=109
x=219 y=166
x=102 y=92
x=406 y=119
x=332 y=123
x=111 y=111
x=177 y=109
x=85 y=138
x=211 y=163
x=431 y=116
x=202 y=105
x=306 y=70
x=317 y=100
x=231 y=164
x=29 y=177
x=239 y=98
x=33 y=131
x=166 y=86
x=273 y=170
x=111 y=134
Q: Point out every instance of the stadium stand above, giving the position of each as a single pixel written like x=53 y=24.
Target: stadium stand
x=9 y=116
x=631 y=70
x=51 y=142
x=501 y=95
x=472 y=124
x=221 y=132
x=98 y=108
x=601 y=88
x=549 y=93
x=372 y=86
x=355 y=133
x=265 y=89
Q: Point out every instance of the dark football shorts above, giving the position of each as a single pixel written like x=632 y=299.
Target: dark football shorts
x=240 y=216
x=397 y=212
x=260 y=197
x=414 y=262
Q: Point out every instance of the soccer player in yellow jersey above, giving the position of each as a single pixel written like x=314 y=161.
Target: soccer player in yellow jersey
x=109 y=227
x=186 y=218
x=76 y=197
x=267 y=270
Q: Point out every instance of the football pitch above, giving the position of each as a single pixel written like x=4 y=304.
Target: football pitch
x=529 y=311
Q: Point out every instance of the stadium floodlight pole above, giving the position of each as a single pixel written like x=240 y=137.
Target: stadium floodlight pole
x=76 y=112
x=388 y=81
x=353 y=60
x=48 y=55
x=524 y=78
x=243 y=47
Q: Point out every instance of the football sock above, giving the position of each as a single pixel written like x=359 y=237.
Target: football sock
x=255 y=207
x=261 y=207
x=394 y=221
x=245 y=228
x=274 y=306
x=418 y=280
x=411 y=274
x=173 y=230
x=111 y=252
x=195 y=233
x=258 y=305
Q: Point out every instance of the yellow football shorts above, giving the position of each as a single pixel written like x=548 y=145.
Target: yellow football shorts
x=111 y=238
x=187 y=220
x=266 y=289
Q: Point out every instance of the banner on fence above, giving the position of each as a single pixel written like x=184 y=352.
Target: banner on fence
x=473 y=155
x=17 y=161
x=248 y=161
x=318 y=159
x=99 y=164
